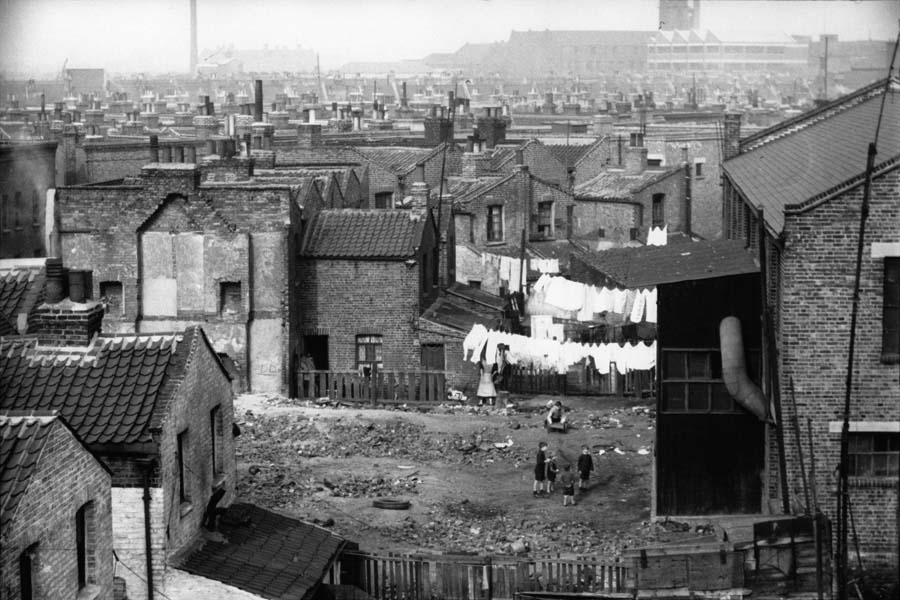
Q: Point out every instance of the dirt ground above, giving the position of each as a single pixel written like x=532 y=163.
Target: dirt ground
x=467 y=472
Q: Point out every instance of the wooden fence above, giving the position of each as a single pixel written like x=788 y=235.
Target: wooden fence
x=583 y=381
x=454 y=577
x=412 y=387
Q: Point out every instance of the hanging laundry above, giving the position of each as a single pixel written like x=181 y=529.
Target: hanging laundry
x=565 y=294
x=619 y=299
x=637 y=311
x=629 y=302
x=651 y=306
x=540 y=326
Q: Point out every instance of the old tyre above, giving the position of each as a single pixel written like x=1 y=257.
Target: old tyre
x=389 y=504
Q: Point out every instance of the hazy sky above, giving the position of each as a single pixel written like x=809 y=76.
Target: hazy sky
x=36 y=36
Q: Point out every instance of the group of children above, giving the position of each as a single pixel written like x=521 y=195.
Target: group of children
x=546 y=469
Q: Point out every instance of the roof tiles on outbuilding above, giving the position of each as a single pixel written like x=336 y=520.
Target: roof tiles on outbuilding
x=366 y=234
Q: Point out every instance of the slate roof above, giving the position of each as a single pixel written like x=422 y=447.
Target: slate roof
x=266 y=554
x=815 y=153
x=368 y=234
x=614 y=184
x=466 y=190
x=654 y=265
x=116 y=392
x=450 y=312
x=569 y=154
x=398 y=160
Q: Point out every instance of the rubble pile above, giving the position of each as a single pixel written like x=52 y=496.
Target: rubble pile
x=372 y=487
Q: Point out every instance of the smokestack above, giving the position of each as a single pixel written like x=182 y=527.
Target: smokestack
x=193 y=65
x=257 y=101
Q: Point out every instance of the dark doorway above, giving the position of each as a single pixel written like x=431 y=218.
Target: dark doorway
x=709 y=464
x=317 y=347
x=433 y=357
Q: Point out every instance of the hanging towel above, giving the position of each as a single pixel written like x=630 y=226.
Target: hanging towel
x=604 y=300
x=651 y=306
x=637 y=311
x=619 y=299
x=629 y=302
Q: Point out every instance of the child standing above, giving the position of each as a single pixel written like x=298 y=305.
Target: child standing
x=540 y=469
x=552 y=470
x=568 y=482
x=585 y=466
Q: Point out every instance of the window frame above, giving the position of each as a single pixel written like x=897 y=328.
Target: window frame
x=112 y=308
x=82 y=544
x=545 y=218
x=689 y=379
x=494 y=223
x=215 y=438
x=28 y=572
x=658 y=210
x=227 y=291
x=372 y=345
x=890 y=454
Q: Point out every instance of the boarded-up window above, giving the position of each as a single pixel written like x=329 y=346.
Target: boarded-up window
x=111 y=291
x=229 y=297
x=890 y=341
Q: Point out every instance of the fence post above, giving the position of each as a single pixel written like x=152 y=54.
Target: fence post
x=490 y=577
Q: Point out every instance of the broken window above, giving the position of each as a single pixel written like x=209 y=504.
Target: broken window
x=111 y=291
x=545 y=219
x=890 y=323
x=229 y=297
x=495 y=223
x=384 y=200
x=874 y=454
x=369 y=354
x=659 y=210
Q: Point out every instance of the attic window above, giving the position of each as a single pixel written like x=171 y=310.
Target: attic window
x=229 y=297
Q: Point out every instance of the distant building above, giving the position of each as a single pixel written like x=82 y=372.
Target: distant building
x=27 y=171
x=86 y=81
x=704 y=51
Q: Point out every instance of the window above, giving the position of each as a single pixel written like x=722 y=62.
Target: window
x=634 y=233
x=890 y=323
x=229 y=297
x=84 y=544
x=698 y=169
x=112 y=292
x=495 y=223
x=369 y=353
x=384 y=200
x=474 y=284
x=545 y=219
x=601 y=233
x=183 y=447
x=692 y=381
x=215 y=436
x=27 y=572
x=874 y=454
x=659 y=210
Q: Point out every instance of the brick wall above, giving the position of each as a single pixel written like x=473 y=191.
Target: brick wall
x=99 y=231
x=469 y=268
x=594 y=160
x=461 y=374
x=676 y=209
x=519 y=195
x=129 y=539
x=66 y=478
x=377 y=298
x=816 y=296
x=540 y=162
x=615 y=218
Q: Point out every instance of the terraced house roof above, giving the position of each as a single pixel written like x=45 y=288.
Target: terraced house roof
x=116 y=392
x=365 y=234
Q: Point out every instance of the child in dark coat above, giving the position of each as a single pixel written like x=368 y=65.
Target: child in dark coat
x=552 y=470
x=540 y=469
x=585 y=466
x=568 y=483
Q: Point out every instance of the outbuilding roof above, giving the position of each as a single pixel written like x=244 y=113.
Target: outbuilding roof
x=367 y=234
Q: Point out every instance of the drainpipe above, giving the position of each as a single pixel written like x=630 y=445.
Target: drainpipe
x=147 y=465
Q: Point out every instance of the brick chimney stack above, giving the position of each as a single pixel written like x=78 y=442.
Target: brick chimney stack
x=418 y=200
x=732 y=129
x=67 y=321
x=635 y=160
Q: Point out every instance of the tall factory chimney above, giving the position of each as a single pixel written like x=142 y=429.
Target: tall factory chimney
x=193 y=37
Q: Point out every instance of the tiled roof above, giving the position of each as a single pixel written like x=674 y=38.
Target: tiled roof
x=353 y=233
x=614 y=184
x=653 y=265
x=816 y=152
x=21 y=443
x=116 y=392
x=569 y=154
x=398 y=160
x=267 y=554
x=19 y=292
